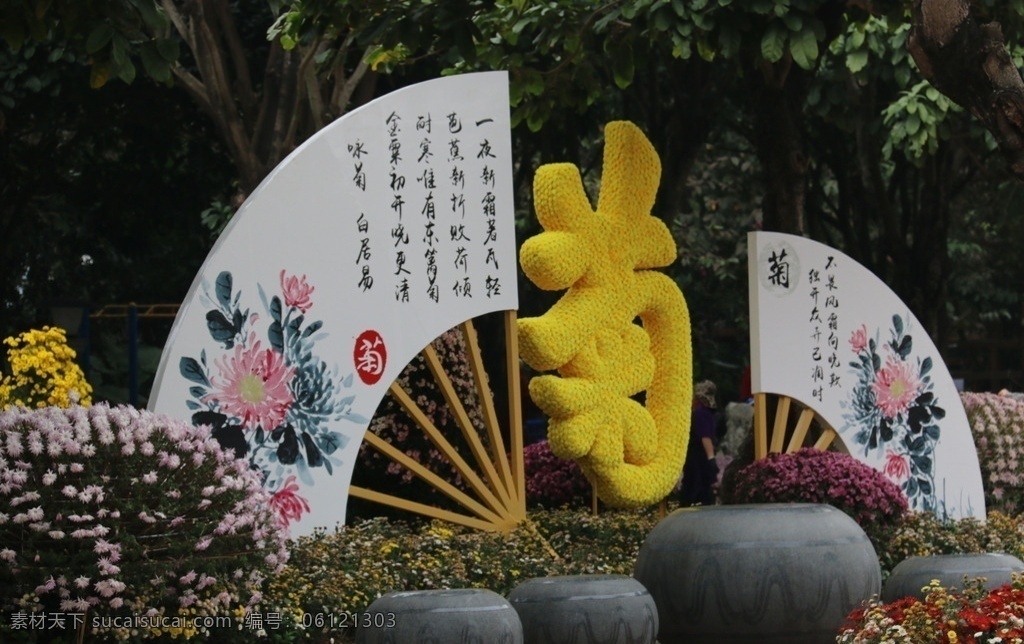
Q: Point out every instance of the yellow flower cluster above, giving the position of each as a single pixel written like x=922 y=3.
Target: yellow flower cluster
x=43 y=372
x=631 y=453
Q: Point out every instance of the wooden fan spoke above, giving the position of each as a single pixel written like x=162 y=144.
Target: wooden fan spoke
x=789 y=423
x=496 y=494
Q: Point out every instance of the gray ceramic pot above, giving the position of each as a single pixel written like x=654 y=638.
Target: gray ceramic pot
x=911 y=575
x=785 y=573
x=459 y=616
x=585 y=609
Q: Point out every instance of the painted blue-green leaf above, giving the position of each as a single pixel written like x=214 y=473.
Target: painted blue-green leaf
x=191 y=370
x=276 y=336
x=332 y=442
x=313 y=455
x=312 y=328
x=224 y=289
x=303 y=471
x=294 y=325
x=906 y=346
x=221 y=329
x=275 y=309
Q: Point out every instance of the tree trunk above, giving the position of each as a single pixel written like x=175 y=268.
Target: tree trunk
x=778 y=96
x=260 y=123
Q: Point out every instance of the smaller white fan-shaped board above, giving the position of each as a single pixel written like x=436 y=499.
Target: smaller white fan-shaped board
x=390 y=226
x=827 y=332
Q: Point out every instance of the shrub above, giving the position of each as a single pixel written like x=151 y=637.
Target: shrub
x=43 y=371
x=997 y=423
x=815 y=476
x=116 y=512
x=551 y=481
x=920 y=534
x=347 y=569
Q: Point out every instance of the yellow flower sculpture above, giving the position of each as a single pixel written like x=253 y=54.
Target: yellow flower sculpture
x=43 y=372
x=631 y=453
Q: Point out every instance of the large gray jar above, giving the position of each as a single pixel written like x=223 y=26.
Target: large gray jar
x=784 y=573
x=911 y=575
x=459 y=616
x=585 y=609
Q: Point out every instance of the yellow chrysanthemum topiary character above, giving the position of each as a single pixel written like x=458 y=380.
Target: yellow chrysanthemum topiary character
x=43 y=372
x=631 y=453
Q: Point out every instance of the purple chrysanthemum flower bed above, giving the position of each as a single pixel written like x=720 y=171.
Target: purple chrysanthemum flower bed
x=552 y=481
x=815 y=476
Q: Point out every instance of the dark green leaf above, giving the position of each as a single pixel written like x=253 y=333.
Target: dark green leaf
x=622 y=66
x=98 y=38
x=155 y=65
x=773 y=43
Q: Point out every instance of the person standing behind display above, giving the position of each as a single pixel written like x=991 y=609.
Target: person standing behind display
x=700 y=472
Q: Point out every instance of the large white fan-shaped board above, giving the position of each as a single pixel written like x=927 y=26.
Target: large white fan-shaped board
x=385 y=229
x=827 y=332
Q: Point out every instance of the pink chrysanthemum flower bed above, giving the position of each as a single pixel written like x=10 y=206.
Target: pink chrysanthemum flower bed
x=997 y=424
x=115 y=511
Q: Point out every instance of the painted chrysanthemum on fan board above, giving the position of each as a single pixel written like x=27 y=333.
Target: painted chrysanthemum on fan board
x=265 y=393
x=893 y=410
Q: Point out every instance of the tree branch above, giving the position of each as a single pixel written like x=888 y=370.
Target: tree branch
x=968 y=61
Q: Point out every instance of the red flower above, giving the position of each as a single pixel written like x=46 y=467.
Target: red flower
x=296 y=292
x=896 y=466
x=859 y=339
x=288 y=504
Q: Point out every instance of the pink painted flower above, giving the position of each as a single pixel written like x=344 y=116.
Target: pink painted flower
x=896 y=466
x=896 y=386
x=288 y=504
x=296 y=292
x=253 y=386
x=859 y=339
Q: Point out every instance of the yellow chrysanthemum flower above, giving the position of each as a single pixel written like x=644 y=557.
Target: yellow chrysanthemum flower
x=43 y=371
x=631 y=453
